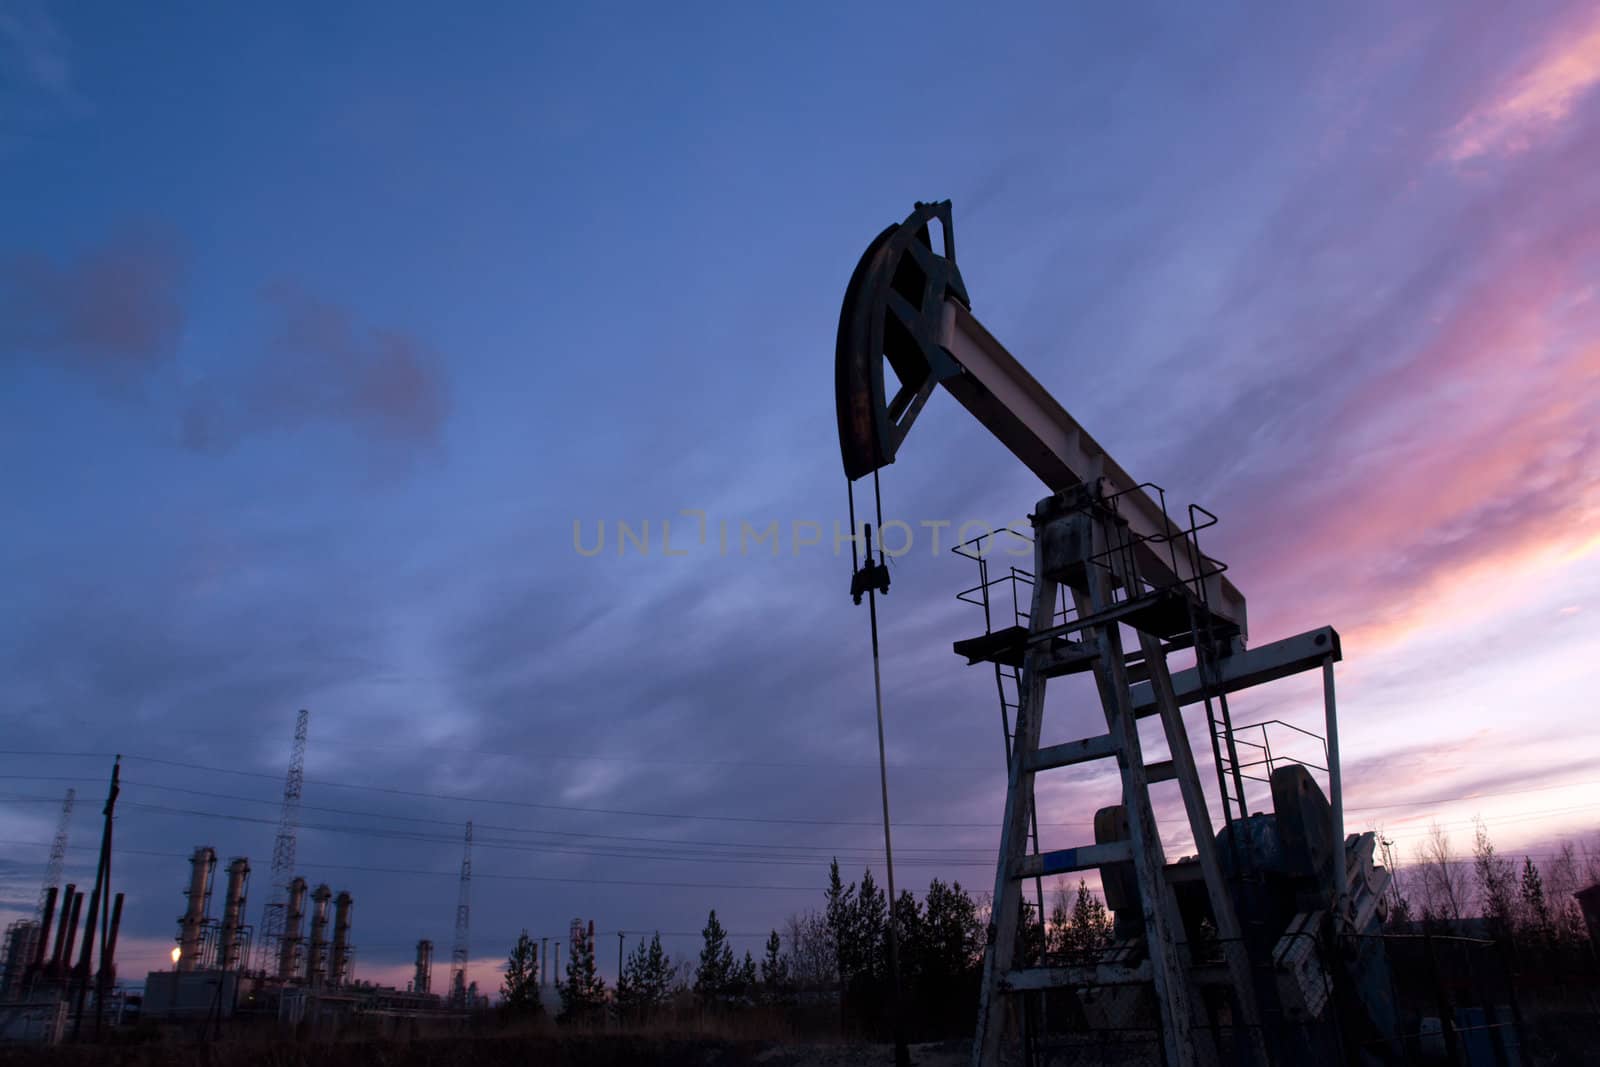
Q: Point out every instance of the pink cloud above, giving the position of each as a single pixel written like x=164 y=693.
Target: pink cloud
x=114 y=311
x=320 y=366
x=385 y=380
x=1472 y=454
x=1536 y=101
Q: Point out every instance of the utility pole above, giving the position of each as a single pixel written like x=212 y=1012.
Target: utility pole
x=274 y=916
x=619 y=958
x=102 y=888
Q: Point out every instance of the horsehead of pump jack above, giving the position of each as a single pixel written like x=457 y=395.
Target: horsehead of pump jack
x=907 y=304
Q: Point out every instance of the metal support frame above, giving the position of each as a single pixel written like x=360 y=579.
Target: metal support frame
x=1081 y=524
x=1128 y=566
x=1341 y=883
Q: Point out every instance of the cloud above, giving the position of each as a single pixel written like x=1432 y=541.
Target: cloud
x=1441 y=430
x=1535 y=102
x=36 y=51
x=1476 y=451
x=320 y=366
x=114 y=312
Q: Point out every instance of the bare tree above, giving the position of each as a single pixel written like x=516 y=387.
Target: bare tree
x=1562 y=877
x=1590 y=861
x=813 y=961
x=1443 y=880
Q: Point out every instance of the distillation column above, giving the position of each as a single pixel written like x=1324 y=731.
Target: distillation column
x=192 y=923
x=229 y=955
x=339 y=964
x=294 y=918
x=317 y=954
x=424 y=966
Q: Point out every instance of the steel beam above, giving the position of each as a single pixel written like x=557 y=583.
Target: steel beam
x=1071 y=752
x=1067 y=860
x=1079 y=976
x=1037 y=429
x=1249 y=667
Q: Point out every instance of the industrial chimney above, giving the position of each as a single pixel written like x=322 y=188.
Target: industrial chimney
x=108 y=962
x=61 y=928
x=294 y=917
x=43 y=941
x=64 y=951
x=233 y=912
x=424 y=966
x=192 y=923
x=317 y=957
x=339 y=965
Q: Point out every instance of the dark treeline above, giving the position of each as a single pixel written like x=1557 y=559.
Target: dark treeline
x=1528 y=901
x=827 y=969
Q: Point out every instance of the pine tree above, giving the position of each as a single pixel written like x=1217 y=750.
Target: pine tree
x=1030 y=936
x=659 y=973
x=950 y=952
x=872 y=914
x=627 y=999
x=776 y=987
x=646 y=981
x=1058 y=932
x=713 y=982
x=952 y=934
x=841 y=919
x=1399 y=918
x=908 y=928
x=1496 y=882
x=1536 y=910
x=583 y=994
x=746 y=986
x=1090 y=928
x=520 y=991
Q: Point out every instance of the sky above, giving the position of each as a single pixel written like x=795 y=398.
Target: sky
x=331 y=340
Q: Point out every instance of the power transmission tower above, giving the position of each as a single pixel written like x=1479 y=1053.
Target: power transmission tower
x=272 y=918
x=52 y=876
x=58 y=851
x=458 y=957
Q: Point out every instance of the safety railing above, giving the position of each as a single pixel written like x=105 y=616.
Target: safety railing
x=1257 y=737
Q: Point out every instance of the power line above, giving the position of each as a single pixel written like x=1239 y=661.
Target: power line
x=123 y=850
x=716 y=818
x=623 y=812
x=824 y=849
x=670 y=815
x=602 y=757
x=533 y=847
x=496 y=877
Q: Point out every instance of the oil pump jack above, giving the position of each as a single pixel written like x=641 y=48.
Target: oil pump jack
x=1262 y=947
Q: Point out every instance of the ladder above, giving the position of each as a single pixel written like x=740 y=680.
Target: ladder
x=1083 y=548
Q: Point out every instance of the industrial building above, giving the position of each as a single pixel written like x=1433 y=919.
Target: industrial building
x=41 y=989
x=307 y=977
